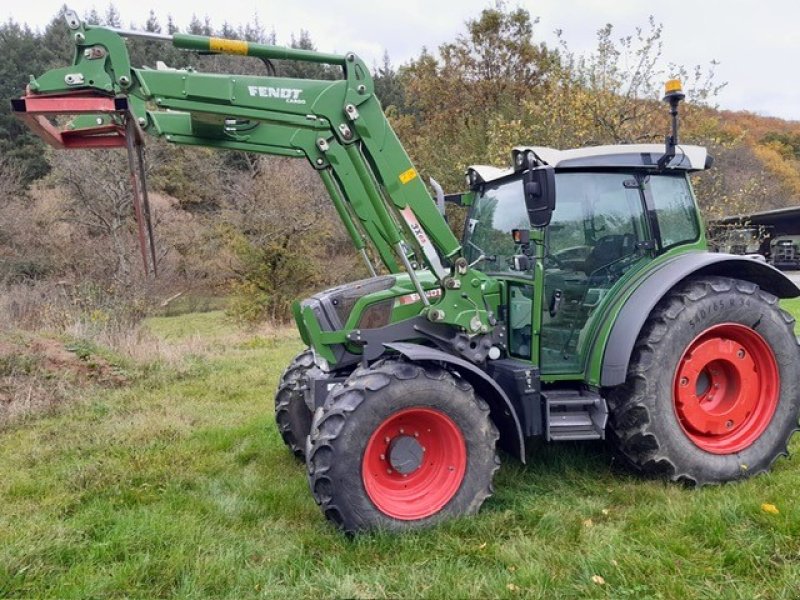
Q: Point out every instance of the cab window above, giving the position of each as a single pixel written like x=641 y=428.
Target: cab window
x=675 y=209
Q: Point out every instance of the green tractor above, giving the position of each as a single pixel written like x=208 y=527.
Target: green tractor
x=580 y=304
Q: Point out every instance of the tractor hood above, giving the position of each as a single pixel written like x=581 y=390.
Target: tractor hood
x=326 y=318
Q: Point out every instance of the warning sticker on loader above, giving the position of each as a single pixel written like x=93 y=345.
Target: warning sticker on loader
x=407 y=176
x=227 y=46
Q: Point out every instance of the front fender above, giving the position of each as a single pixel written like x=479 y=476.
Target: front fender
x=637 y=308
x=502 y=411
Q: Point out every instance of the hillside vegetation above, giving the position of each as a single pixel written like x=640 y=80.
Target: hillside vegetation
x=221 y=223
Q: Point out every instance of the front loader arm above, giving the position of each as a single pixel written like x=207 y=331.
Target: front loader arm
x=338 y=126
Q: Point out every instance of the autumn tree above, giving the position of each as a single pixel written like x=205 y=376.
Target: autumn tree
x=388 y=86
x=281 y=226
x=453 y=98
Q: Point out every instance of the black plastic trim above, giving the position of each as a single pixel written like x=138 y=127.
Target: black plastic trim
x=640 y=304
x=502 y=410
x=120 y=103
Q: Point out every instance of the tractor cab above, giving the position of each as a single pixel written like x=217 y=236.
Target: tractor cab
x=615 y=212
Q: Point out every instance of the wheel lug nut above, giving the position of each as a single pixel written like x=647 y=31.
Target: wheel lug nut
x=684 y=381
x=387 y=439
x=416 y=434
x=729 y=424
x=383 y=457
x=740 y=354
x=389 y=471
x=402 y=431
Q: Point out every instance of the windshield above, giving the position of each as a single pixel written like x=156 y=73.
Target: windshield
x=499 y=210
x=591 y=207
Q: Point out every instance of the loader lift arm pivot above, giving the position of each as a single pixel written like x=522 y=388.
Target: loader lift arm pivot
x=338 y=126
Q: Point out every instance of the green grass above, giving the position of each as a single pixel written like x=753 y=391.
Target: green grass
x=793 y=306
x=212 y=324
x=179 y=485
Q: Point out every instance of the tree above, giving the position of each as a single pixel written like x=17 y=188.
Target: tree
x=171 y=27
x=304 y=70
x=152 y=25
x=229 y=32
x=196 y=26
x=610 y=96
x=21 y=54
x=23 y=256
x=451 y=100
x=146 y=52
x=57 y=43
x=388 y=86
x=112 y=17
x=279 y=259
x=92 y=17
x=100 y=201
x=253 y=31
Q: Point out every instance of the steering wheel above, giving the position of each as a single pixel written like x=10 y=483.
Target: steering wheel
x=610 y=268
x=558 y=262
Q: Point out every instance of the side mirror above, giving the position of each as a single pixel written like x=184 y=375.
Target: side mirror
x=540 y=195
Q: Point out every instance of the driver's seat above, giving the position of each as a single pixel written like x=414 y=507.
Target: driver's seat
x=608 y=249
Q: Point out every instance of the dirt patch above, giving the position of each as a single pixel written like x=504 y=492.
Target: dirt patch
x=38 y=373
x=76 y=361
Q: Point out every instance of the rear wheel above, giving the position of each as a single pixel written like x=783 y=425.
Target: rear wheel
x=400 y=446
x=711 y=393
x=292 y=415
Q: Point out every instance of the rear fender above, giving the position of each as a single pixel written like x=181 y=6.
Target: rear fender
x=501 y=410
x=637 y=308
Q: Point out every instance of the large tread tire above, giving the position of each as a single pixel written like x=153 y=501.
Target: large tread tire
x=343 y=428
x=292 y=415
x=644 y=425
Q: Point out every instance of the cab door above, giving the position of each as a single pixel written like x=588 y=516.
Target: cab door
x=490 y=247
x=598 y=233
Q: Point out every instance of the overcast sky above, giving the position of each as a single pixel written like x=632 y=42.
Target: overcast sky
x=756 y=42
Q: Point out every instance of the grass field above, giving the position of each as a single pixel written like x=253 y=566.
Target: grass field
x=178 y=485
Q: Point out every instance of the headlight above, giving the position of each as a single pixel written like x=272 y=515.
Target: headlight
x=376 y=315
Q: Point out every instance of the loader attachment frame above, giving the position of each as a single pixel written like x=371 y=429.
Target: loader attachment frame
x=338 y=126
x=35 y=110
x=115 y=127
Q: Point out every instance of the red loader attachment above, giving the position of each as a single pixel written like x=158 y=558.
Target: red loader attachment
x=39 y=113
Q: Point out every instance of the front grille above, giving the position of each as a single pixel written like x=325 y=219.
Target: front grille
x=337 y=303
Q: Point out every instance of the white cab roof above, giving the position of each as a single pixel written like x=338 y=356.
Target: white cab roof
x=689 y=158
x=623 y=155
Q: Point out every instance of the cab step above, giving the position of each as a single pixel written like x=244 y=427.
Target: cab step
x=574 y=415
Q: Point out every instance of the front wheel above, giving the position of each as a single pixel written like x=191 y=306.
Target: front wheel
x=712 y=390
x=292 y=415
x=399 y=446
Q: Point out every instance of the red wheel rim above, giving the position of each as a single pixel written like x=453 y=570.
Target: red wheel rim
x=414 y=463
x=726 y=388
